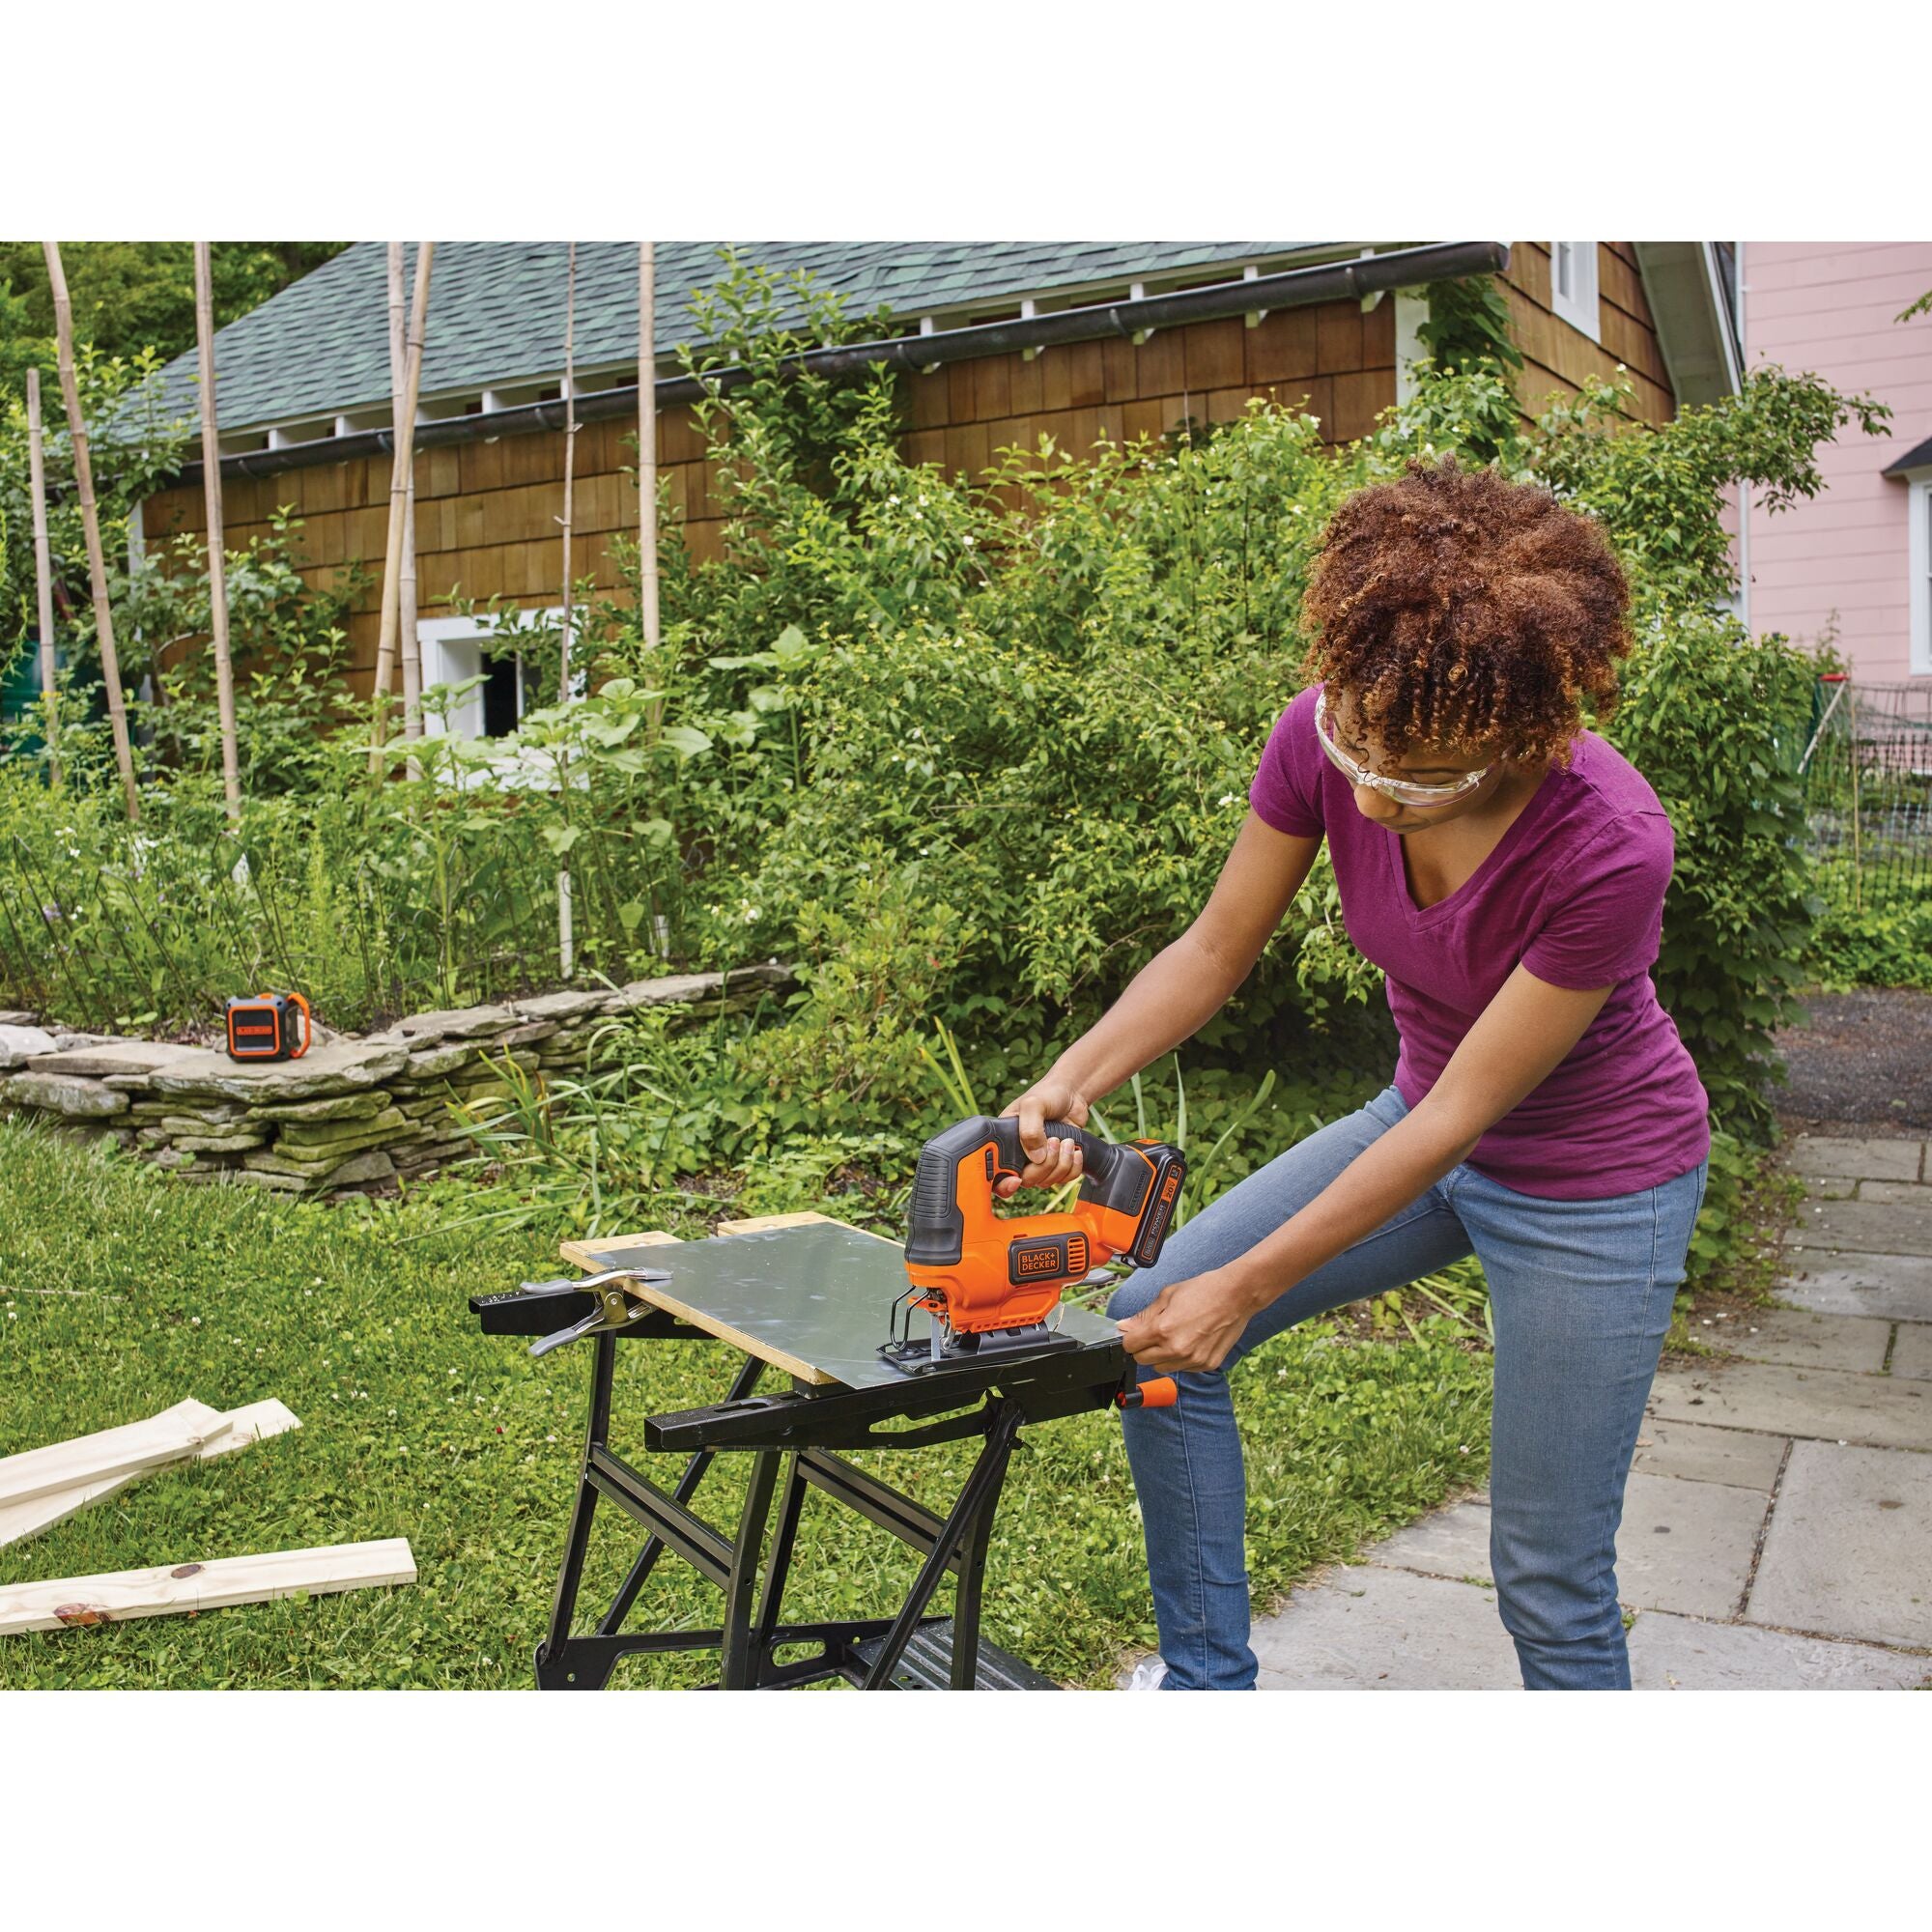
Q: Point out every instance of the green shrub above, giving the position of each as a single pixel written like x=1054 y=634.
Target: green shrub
x=1879 y=936
x=290 y=645
x=134 y=448
x=1042 y=693
x=1716 y=719
x=973 y=750
x=372 y=902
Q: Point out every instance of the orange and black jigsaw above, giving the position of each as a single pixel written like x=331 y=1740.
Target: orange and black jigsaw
x=991 y=1282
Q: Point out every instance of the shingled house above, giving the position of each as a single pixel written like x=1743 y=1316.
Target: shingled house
x=999 y=343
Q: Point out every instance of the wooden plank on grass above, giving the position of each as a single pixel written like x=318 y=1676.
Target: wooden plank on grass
x=253 y=1422
x=119 y=1595
x=175 y=1433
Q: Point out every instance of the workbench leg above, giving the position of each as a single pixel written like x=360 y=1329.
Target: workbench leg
x=771 y=1599
x=745 y=1380
x=967 y=1598
x=980 y=1497
x=577 y=1543
x=738 y=1657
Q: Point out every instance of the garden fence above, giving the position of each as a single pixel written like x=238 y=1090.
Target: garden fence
x=1868 y=770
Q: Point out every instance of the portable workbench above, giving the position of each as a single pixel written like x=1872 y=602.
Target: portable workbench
x=803 y=1302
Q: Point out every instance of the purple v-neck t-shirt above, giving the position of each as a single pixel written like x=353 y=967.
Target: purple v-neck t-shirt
x=1574 y=890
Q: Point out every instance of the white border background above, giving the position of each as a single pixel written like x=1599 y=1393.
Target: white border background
x=999 y=120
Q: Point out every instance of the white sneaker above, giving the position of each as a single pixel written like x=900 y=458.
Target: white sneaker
x=1147 y=1674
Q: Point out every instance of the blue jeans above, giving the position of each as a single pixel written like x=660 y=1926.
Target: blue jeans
x=1581 y=1292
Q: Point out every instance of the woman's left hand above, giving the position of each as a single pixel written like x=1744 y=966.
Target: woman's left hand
x=1192 y=1324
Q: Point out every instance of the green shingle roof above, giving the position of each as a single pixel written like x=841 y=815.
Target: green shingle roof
x=496 y=314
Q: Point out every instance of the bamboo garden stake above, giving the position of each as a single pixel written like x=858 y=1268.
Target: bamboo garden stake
x=647 y=440
x=90 y=517
x=400 y=471
x=647 y=491
x=565 y=939
x=43 y=574
x=569 y=456
x=217 y=562
x=411 y=643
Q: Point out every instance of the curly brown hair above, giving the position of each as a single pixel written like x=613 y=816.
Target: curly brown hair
x=1463 y=610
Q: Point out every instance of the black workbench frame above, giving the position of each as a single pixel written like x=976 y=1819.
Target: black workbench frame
x=792 y=1436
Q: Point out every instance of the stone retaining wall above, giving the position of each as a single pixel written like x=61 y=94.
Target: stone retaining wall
x=353 y=1112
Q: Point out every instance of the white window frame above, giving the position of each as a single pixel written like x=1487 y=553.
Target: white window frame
x=1918 y=550
x=1577 y=306
x=450 y=656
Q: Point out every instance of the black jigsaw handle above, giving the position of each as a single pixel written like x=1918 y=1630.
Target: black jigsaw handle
x=1110 y=1169
x=1116 y=1176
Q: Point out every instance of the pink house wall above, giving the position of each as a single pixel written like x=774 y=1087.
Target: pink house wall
x=1828 y=307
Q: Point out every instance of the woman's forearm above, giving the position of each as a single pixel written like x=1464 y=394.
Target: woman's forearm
x=1385 y=1177
x=1168 y=1001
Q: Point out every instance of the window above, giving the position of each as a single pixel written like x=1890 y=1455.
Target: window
x=1919 y=549
x=1573 y=286
x=453 y=653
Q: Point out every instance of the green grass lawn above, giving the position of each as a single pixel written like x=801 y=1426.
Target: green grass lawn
x=121 y=1292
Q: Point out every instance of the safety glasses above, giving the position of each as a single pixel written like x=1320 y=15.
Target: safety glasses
x=1402 y=790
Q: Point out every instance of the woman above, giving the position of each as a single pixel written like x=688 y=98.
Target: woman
x=1506 y=869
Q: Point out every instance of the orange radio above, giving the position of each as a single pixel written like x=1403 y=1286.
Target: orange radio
x=269 y=1026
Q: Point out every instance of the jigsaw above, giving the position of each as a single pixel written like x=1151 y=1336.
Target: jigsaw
x=992 y=1282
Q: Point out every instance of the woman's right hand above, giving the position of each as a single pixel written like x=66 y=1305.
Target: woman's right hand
x=1051 y=1162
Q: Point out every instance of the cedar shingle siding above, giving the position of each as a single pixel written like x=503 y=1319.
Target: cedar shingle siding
x=486 y=510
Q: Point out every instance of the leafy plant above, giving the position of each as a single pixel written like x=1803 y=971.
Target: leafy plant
x=1882 y=937
x=1660 y=491
x=970 y=750
x=1716 y=719
x=1468 y=329
x=135 y=444
x=290 y=644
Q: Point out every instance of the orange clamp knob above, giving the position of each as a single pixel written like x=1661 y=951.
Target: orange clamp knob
x=1161 y=1392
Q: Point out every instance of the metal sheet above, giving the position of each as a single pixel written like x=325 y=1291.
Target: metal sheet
x=822 y=1294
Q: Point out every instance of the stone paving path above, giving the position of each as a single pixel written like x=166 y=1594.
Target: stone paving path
x=1778 y=1522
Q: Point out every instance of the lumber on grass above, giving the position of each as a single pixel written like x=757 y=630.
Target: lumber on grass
x=174 y=1433
x=410 y=639
x=44 y=574
x=401 y=470
x=119 y=1595
x=217 y=561
x=253 y=1422
x=647 y=441
x=90 y=521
